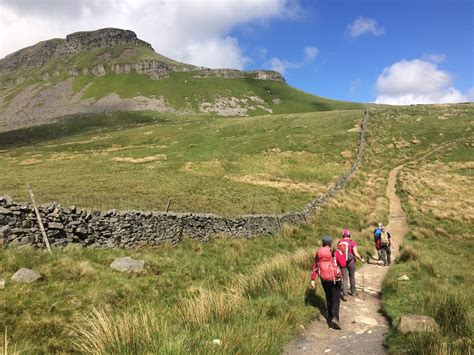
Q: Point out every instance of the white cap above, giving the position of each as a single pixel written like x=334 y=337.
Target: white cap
x=380 y=225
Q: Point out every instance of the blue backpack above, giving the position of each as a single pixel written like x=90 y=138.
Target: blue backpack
x=377 y=234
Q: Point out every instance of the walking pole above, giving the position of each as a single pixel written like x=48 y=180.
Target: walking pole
x=363 y=284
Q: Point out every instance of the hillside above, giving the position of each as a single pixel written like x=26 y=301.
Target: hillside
x=204 y=164
x=248 y=294
x=112 y=70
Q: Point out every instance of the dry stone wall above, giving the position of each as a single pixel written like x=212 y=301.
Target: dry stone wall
x=128 y=229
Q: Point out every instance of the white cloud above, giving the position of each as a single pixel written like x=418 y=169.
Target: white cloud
x=282 y=65
x=278 y=65
x=363 y=25
x=310 y=54
x=193 y=31
x=435 y=58
x=416 y=82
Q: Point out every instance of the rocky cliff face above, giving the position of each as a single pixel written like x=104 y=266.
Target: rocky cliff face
x=34 y=56
x=41 y=53
x=107 y=37
x=58 y=51
x=47 y=71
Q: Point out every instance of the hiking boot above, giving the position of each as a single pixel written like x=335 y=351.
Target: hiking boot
x=335 y=324
x=343 y=298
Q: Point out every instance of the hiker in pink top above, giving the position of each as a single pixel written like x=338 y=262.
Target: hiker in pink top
x=327 y=265
x=349 y=248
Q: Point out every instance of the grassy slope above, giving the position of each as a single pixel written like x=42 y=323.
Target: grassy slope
x=259 y=317
x=185 y=91
x=438 y=198
x=435 y=194
x=284 y=161
x=180 y=89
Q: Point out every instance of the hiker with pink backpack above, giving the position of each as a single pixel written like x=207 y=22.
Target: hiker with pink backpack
x=327 y=265
x=348 y=247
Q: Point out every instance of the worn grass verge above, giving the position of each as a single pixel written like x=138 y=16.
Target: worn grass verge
x=438 y=202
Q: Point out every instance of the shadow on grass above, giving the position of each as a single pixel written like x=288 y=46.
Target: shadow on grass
x=311 y=298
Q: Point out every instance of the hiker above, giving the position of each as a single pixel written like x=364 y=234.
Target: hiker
x=327 y=264
x=383 y=244
x=348 y=247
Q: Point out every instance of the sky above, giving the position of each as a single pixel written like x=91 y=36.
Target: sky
x=383 y=51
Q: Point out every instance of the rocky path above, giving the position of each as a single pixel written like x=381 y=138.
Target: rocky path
x=363 y=326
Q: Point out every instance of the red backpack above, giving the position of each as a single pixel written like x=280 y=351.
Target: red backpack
x=326 y=265
x=346 y=246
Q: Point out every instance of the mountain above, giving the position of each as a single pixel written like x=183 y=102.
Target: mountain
x=112 y=70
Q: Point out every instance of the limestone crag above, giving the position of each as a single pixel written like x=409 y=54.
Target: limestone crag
x=56 y=57
x=39 y=54
x=34 y=56
x=106 y=37
x=238 y=74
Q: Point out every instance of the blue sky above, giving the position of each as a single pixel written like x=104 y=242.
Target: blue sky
x=387 y=51
x=348 y=67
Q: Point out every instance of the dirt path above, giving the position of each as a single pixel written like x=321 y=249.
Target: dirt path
x=363 y=326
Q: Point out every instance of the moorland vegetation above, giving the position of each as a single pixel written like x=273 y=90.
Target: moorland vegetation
x=250 y=294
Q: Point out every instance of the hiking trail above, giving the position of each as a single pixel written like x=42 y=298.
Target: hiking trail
x=363 y=326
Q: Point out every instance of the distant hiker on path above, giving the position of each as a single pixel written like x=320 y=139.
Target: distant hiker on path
x=348 y=247
x=383 y=244
x=327 y=264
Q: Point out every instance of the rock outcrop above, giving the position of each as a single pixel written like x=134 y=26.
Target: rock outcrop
x=39 y=54
x=61 y=50
x=26 y=276
x=106 y=37
x=417 y=323
x=127 y=264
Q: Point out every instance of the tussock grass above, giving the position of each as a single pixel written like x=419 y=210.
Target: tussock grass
x=451 y=311
x=437 y=200
x=129 y=332
x=266 y=274
x=270 y=276
x=209 y=306
x=288 y=230
x=5 y=347
x=436 y=344
x=204 y=164
x=408 y=253
x=274 y=275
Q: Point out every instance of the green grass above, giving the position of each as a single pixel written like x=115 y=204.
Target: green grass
x=250 y=294
x=182 y=90
x=437 y=248
x=113 y=55
x=204 y=164
x=267 y=276
x=186 y=91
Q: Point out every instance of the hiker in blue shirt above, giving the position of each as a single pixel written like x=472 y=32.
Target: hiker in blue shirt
x=383 y=244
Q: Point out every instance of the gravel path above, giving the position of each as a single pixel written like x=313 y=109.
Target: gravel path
x=363 y=326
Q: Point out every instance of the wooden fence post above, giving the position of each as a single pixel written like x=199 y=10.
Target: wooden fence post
x=40 y=222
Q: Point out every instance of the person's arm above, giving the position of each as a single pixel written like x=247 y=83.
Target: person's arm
x=356 y=254
x=313 y=274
